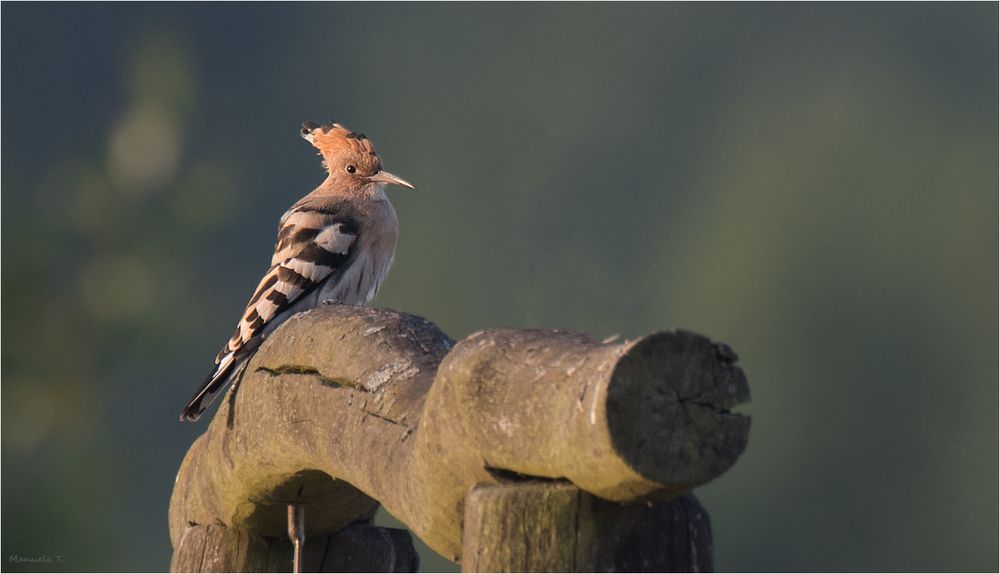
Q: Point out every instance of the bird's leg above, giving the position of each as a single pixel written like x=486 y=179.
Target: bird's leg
x=297 y=533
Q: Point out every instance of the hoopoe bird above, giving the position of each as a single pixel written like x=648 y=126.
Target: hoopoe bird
x=335 y=245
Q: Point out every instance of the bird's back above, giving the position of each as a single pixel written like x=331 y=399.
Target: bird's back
x=334 y=245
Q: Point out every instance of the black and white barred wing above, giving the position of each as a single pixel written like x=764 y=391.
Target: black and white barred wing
x=313 y=247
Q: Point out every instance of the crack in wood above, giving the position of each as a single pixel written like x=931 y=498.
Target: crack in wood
x=334 y=382
x=378 y=416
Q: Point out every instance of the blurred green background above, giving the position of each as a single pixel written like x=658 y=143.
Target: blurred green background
x=814 y=184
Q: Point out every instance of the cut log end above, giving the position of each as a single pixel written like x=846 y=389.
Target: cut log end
x=668 y=408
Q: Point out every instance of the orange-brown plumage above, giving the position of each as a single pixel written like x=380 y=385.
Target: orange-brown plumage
x=333 y=137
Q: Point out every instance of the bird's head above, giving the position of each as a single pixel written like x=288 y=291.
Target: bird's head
x=349 y=157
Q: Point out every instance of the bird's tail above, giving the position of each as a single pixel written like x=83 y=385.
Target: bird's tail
x=225 y=372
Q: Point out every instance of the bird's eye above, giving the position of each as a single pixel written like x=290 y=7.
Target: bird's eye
x=351 y=169
x=306 y=131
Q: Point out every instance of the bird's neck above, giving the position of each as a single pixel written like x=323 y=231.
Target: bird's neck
x=335 y=187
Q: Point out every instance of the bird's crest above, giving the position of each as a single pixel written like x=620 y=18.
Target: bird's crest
x=333 y=139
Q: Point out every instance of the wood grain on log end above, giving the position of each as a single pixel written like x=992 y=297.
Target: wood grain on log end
x=668 y=408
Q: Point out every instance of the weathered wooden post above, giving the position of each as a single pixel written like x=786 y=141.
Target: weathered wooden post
x=569 y=447
x=546 y=527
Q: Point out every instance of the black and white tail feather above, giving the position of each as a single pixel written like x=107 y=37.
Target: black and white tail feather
x=216 y=382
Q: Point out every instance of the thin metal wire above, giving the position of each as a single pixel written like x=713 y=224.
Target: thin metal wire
x=297 y=533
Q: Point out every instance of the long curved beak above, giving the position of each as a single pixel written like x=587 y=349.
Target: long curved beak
x=386 y=177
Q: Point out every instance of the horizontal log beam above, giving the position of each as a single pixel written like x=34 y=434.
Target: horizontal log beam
x=343 y=406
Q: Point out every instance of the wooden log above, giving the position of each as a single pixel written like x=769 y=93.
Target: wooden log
x=621 y=421
x=343 y=406
x=335 y=392
x=357 y=548
x=556 y=527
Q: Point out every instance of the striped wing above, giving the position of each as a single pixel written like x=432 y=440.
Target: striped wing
x=313 y=244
